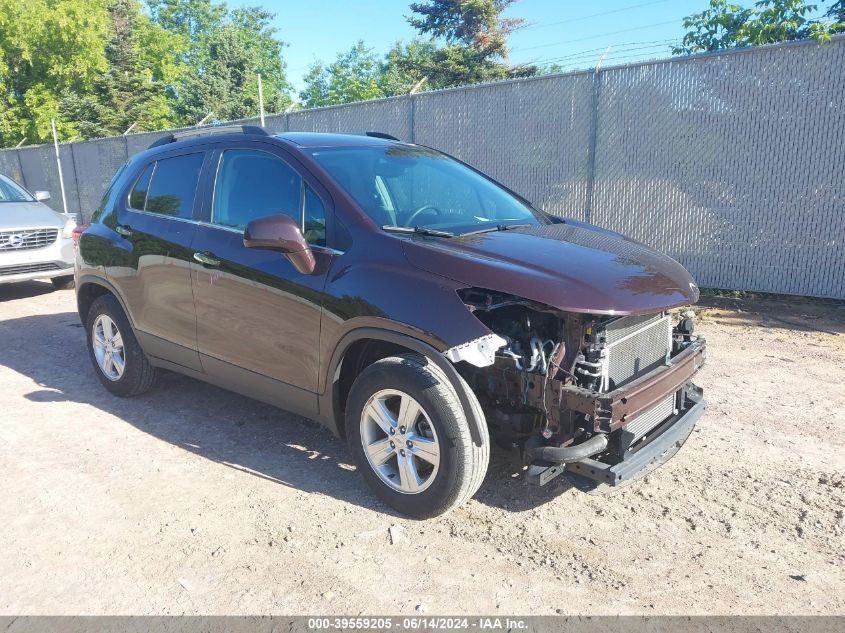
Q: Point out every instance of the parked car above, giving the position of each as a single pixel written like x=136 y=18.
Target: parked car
x=404 y=299
x=35 y=241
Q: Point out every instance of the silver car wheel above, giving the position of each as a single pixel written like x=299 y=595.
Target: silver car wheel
x=399 y=441
x=108 y=348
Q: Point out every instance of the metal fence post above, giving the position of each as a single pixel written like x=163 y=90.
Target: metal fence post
x=412 y=113
x=20 y=167
x=591 y=147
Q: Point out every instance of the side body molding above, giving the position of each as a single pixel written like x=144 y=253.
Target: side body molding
x=330 y=406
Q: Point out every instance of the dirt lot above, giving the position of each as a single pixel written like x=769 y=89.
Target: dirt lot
x=193 y=500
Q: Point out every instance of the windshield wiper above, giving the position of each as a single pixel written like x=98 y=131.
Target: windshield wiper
x=419 y=230
x=498 y=227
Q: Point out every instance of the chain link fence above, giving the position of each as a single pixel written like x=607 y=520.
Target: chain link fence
x=733 y=163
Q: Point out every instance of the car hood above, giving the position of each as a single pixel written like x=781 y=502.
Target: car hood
x=28 y=215
x=571 y=267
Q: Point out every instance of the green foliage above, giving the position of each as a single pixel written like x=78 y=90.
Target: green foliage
x=475 y=35
x=728 y=25
x=836 y=14
x=355 y=75
x=192 y=19
x=406 y=65
x=230 y=53
x=472 y=49
x=473 y=23
x=100 y=66
x=442 y=67
x=130 y=89
x=47 y=47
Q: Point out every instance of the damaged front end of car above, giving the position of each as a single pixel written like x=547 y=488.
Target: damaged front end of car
x=603 y=396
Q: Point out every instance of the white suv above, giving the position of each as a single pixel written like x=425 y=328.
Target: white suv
x=35 y=241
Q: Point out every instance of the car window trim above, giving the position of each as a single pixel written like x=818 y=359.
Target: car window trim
x=161 y=215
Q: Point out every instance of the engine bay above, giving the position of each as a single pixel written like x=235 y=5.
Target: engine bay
x=550 y=359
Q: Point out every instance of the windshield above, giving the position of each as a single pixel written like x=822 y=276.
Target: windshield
x=402 y=186
x=12 y=192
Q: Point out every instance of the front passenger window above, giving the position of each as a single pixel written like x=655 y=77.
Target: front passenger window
x=254 y=184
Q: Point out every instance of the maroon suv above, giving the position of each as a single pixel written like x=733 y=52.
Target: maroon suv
x=401 y=297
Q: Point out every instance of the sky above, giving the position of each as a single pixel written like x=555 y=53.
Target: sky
x=571 y=33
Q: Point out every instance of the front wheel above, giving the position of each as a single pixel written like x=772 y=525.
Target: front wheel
x=410 y=438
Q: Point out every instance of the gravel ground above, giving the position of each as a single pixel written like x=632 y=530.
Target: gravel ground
x=190 y=499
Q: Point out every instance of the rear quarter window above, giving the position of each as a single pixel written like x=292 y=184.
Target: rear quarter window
x=107 y=202
x=138 y=196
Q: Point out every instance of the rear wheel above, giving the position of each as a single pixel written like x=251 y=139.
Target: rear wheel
x=410 y=437
x=118 y=359
x=63 y=283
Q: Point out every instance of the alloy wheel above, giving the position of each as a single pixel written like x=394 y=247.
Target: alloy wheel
x=108 y=348
x=399 y=441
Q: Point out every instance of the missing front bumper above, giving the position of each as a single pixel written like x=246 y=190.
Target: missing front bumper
x=655 y=453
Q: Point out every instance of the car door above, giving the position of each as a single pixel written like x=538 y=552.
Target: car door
x=255 y=312
x=156 y=227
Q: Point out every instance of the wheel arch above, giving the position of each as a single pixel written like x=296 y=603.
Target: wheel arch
x=88 y=288
x=364 y=346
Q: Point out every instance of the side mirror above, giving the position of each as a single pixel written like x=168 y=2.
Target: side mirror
x=42 y=196
x=281 y=233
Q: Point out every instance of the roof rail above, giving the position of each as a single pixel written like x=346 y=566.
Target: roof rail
x=383 y=135
x=209 y=131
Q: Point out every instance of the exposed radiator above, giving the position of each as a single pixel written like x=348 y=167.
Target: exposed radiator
x=634 y=346
x=649 y=419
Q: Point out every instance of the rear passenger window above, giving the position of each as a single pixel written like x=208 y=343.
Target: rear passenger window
x=168 y=186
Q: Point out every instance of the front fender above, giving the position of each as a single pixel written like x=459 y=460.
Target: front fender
x=329 y=403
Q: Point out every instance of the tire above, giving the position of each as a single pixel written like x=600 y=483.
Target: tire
x=461 y=465
x=63 y=283
x=137 y=375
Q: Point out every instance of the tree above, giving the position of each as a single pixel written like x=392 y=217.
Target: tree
x=727 y=25
x=49 y=47
x=260 y=39
x=128 y=92
x=355 y=75
x=100 y=66
x=441 y=67
x=224 y=74
x=475 y=50
x=225 y=52
x=472 y=48
x=836 y=13
x=192 y=19
x=474 y=23
x=406 y=65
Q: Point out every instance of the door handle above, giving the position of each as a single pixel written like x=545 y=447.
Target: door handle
x=125 y=231
x=206 y=259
